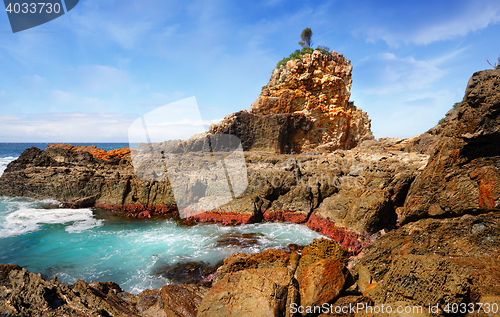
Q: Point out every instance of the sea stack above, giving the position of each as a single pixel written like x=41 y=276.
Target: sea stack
x=304 y=108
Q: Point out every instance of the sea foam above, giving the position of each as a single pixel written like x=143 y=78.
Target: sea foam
x=26 y=220
x=4 y=161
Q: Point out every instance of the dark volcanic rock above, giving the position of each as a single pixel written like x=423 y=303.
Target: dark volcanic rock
x=182 y=300
x=254 y=131
x=187 y=272
x=463 y=174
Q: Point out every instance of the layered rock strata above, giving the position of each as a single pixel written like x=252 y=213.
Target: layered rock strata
x=304 y=108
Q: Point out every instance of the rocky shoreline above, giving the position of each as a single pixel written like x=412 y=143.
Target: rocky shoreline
x=416 y=219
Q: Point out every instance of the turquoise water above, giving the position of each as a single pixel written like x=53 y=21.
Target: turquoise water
x=96 y=246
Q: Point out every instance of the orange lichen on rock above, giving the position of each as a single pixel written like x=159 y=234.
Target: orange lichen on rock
x=96 y=152
x=318 y=86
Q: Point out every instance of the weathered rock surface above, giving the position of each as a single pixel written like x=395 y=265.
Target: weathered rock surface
x=435 y=261
x=27 y=294
x=347 y=195
x=322 y=282
x=305 y=107
x=75 y=177
x=182 y=300
x=251 y=292
x=23 y=293
x=317 y=86
x=463 y=174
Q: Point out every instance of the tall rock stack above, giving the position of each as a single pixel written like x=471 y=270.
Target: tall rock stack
x=305 y=107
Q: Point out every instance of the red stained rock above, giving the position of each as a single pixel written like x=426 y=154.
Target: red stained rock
x=225 y=218
x=351 y=242
x=96 y=153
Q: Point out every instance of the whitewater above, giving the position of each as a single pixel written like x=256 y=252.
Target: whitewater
x=95 y=245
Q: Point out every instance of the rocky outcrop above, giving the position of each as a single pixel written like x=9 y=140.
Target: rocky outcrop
x=316 y=190
x=317 y=86
x=27 y=294
x=420 y=230
x=86 y=177
x=435 y=261
x=23 y=293
x=304 y=108
x=463 y=174
x=269 y=283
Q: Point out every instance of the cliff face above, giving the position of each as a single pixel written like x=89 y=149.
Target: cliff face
x=463 y=175
x=304 y=108
x=450 y=221
x=319 y=87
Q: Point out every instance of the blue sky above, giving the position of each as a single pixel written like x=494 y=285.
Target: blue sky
x=89 y=74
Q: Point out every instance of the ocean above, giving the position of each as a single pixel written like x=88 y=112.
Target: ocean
x=95 y=245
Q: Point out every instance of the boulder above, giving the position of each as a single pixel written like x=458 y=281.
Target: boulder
x=252 y=292
x=322 y=282
x=182 y=300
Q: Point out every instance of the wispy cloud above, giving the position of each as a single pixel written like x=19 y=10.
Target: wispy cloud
x=404 y=25
x=387 y=73
x=66 y=127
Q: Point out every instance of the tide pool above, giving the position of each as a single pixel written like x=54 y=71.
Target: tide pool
x=94 y=245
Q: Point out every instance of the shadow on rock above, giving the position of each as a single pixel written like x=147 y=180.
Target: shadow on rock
x=191 y=272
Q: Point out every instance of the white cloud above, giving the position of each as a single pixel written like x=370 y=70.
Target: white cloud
x=65 y=127
x=475 y=16
x=437 y=23
x=386 y=73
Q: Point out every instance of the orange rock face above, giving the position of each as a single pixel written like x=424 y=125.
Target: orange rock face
x=97 y=153
x=317 y=86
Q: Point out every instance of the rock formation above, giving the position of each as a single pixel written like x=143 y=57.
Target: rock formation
x=23 y=293
x=463 y=175
x=304 y=108
x=317 y=86
x=418 y=218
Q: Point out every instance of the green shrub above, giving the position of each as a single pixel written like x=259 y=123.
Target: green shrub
x=299 y=53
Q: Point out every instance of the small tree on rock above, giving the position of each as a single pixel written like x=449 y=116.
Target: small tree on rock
x=306 y=36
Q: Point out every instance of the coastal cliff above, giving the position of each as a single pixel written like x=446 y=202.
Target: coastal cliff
x=417 y=219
